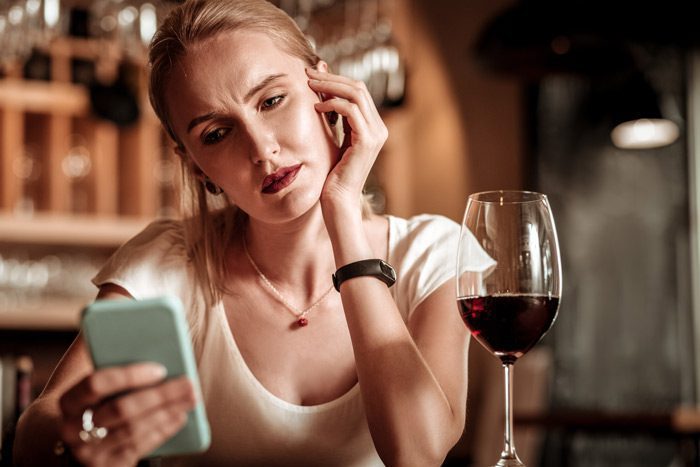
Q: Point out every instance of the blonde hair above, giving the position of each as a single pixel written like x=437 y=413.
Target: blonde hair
x=211 y=221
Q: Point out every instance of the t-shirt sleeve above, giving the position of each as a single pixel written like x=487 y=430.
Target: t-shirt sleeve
x=425 y=257
x=155 y=263
x=423 y=254
x=151 y=264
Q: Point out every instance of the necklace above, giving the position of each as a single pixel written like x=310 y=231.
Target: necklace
x=302 y=320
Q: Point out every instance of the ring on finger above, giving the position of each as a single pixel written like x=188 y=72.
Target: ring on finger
x=90 y=432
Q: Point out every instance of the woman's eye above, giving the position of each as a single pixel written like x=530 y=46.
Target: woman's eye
x=215 y=136
x=272 y=102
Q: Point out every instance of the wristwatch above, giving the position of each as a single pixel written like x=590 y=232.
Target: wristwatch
x=369 y=267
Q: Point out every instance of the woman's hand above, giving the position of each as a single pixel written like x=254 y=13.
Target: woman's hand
x=139 y=409
x=365 y=133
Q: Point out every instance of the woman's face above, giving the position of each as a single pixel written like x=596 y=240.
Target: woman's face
x=245 y=114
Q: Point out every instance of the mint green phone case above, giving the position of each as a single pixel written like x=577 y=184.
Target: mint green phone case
x=120 y=332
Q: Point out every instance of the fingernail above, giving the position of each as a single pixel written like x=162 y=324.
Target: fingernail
x=158 y=371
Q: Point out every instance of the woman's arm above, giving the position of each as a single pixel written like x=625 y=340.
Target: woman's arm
x=413 y=378
x=144 y=413
x=38 y=427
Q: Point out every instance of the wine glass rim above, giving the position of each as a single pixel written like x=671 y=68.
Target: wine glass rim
x=507 y=197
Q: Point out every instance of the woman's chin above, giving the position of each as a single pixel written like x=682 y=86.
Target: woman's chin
x=293 y=205
x=305 y=204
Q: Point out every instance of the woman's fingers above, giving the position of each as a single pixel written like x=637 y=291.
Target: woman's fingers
x=137 y=422
x=369 y=129
x=153 y=428
x=345 y=88
x=108 y=382
x=133 y=405
x=130 y=406
x=351 y=112
x=127 y=443
x=352 y=100
x=365 y=133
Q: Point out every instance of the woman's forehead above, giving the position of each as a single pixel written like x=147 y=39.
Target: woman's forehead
x=239 y=59
x=241 y=48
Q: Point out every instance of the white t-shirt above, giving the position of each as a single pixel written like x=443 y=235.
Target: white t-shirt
x=251 y=426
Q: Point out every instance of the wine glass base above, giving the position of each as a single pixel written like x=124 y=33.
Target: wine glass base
x=509 y=462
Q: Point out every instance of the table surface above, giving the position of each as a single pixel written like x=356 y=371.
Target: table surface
x=677 y=422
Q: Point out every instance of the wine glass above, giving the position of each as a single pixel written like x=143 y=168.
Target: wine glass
x=508 y=281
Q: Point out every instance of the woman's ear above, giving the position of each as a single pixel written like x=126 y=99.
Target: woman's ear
x=322 y=66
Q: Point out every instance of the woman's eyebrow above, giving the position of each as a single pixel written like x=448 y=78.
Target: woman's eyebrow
x=202 y=118
x=266 y=81
x=254 y=90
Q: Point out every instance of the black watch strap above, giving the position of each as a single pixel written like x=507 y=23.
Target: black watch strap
x=369 y=267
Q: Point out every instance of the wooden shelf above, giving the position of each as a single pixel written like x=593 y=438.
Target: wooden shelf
x=45 y=315
x=44 y=97
x=50 y=123
x=72 y=230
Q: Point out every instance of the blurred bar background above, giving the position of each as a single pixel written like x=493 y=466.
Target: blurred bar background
x=477 y=95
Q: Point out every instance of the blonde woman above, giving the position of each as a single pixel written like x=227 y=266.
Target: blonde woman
x=294 y=371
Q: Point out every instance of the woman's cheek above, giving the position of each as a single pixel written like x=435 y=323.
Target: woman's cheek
x=298 y=127
x=302 y=125
x=219 y=164
x=210 y=167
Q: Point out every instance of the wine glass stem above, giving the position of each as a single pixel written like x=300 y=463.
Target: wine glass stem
x=509 y=448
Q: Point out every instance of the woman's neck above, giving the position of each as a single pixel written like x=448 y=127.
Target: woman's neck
x=294 y=255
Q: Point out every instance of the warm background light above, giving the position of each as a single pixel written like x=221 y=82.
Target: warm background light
x=645 y=133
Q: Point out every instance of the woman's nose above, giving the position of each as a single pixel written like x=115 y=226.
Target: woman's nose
x=263 y=143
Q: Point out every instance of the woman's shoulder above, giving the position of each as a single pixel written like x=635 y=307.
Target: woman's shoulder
x=160 y=240
x=421 y=227
x=421 y=240
x=152 y=255
x=160 y=232
x=422 y=249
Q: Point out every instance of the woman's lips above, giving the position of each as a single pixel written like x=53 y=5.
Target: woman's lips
x=280 y=179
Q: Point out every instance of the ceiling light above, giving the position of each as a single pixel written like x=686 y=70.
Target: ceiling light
x=644 y=133
x=637 y=120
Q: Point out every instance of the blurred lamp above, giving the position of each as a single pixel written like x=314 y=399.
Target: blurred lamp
x=638 y=122
x=644 y=133
x=52 y=13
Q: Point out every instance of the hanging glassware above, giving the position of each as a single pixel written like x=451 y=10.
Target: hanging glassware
x=25 y=24
x=357 y=43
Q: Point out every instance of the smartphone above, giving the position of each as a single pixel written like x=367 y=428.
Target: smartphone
x=120 y=332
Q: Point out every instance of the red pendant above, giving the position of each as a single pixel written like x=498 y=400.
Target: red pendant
x=302 y=322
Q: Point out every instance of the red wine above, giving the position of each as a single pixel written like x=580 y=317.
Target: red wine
x=508 y=325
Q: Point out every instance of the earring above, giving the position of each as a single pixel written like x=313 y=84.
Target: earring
x=212 y=187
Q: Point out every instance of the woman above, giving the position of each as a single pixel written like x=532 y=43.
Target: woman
x=293 y=372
